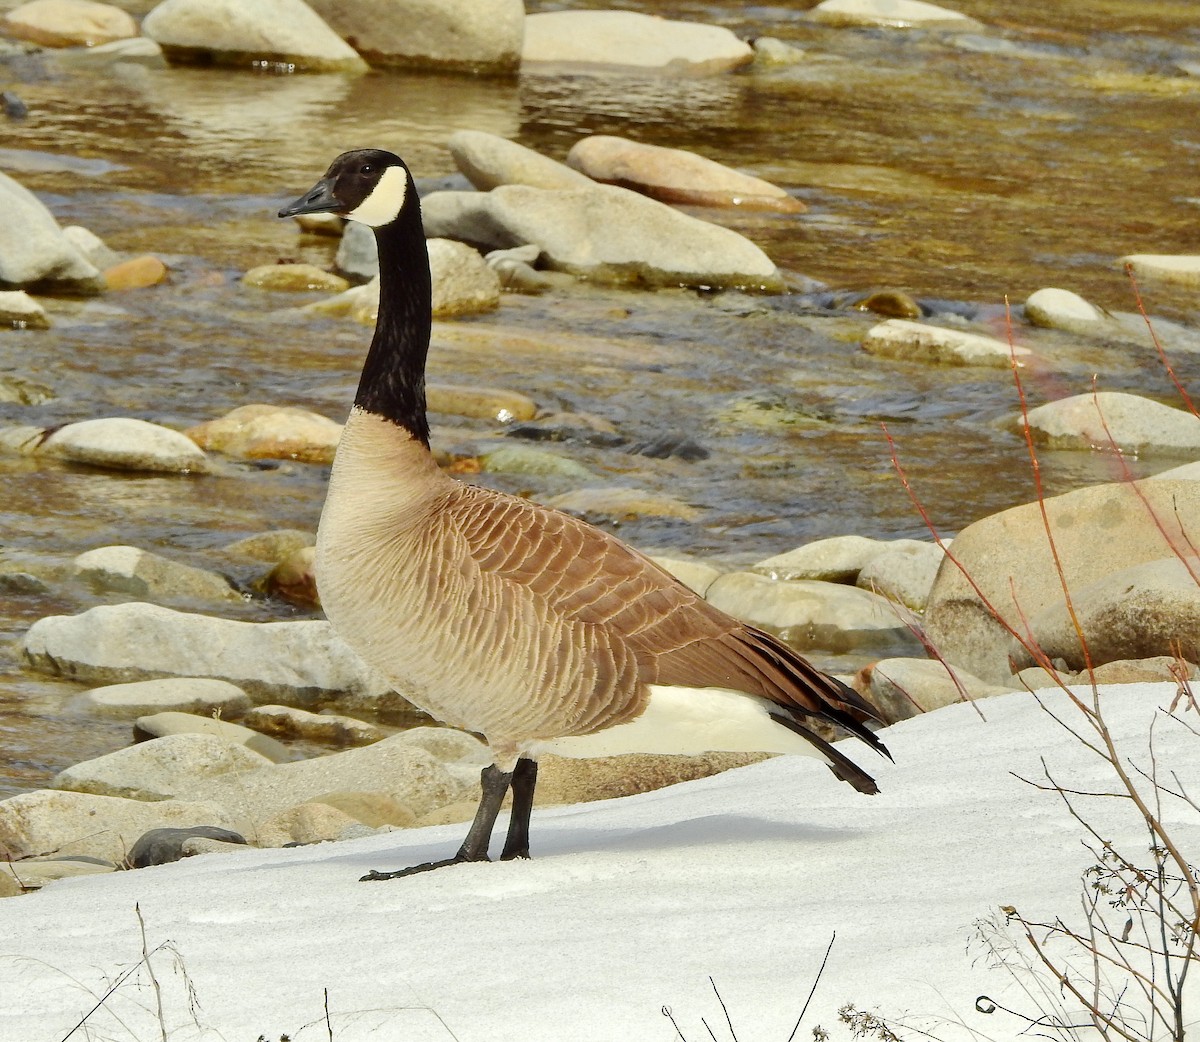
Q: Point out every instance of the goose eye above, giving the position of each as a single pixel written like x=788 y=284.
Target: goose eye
x=366 y=169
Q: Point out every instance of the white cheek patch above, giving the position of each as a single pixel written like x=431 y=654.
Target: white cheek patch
x=383 y=205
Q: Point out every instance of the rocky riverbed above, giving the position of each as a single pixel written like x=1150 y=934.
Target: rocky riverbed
x=683 y=278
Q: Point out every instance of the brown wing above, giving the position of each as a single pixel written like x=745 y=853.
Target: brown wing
x=674 y=636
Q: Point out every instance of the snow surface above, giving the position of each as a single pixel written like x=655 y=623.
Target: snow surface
x=629 y=905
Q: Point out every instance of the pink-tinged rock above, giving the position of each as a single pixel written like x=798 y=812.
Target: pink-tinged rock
x=673 y=175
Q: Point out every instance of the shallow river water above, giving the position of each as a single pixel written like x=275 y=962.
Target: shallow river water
x=961 y=168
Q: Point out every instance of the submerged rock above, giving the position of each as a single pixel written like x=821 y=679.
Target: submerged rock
x=478 y=36
x=294 y=278
x=627 y=39
x=329 y=728
x=623 y=502
x=249 y=33
x=673 y=175
x=1133 y=424
x=136 y=273
x=481 y=403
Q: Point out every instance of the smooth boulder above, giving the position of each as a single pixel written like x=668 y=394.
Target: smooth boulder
x=619 y=40
x=475 y=36
x=674 y=175
x=69 y=23
x=249 y=33
x=142 y=574
x=33 y=249
x=1107 y=419
x=119 y=443
x=260 y=431
x=888 y=14
x=301 y=662
x=918 y=342
x=174 y=694
x=488 y=161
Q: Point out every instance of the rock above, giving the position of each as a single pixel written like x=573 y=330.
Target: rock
x=695 y=575
x=808 y=612
x=446 y=744
x=20 y=391
x=622 y=503
x=595 y=39
x=488 y=161
x=326 y=224
x=33 y=248
x=164 y=845
x=160 y=769
x=138 y=50
x=1153 y=670
x=673 y=175
x=358 y=253
x=1097 y=531
x=523 y=459
x=294 y=579
x=262 y=431
x=1062 y=309
x=893 y=14
x=463 y=284
x=907 y=687
x=180 y=695
x=10 y=883
x=480 y=403
x=1180 y=268
x=19 y=310
x=304 y=824
x=294 y=278
x=905 y=574
x=136 y=273
x=368 y=808
x=51 y=821
x=838 y=559
x=271 y=547
x=1148 y=610
x=890 y=303
x=139 y=573
x=1184 y=472
x=69 y=23
x=91 y=246
x=123 y=443
x=328 y=728
x=516 y=271
x=770 y=51
x=35 y=873
x=297 y=661
x=1138 y=426
x=611 y=235
x=477 y=36
x=403 y=773
x=162 y=724
x=916 y=342
x=249 y=33
x=563 y=780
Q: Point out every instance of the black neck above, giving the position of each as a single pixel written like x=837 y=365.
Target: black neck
x=393 y=376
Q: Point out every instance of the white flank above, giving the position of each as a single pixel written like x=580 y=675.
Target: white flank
x=688 y=721
x=383 y=205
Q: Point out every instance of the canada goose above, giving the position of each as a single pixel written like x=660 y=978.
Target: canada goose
x=512 y=620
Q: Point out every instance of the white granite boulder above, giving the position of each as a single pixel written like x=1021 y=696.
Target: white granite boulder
x=890 y=14
x=1182 y=268
x=18 y=310
x=477 y=36
x=300 y=662
x=1097 y=531
x=33 y=249
x=607 y=234
x=917 y=342
x=69 y=23
x=175 y=694
x=1054 y=308
x=142 y=574
x=160 y=769
x=1136 y=425
x=170 y=722
x=592 y=40
x=249 y=33
x=111 y=443
x=50 y=821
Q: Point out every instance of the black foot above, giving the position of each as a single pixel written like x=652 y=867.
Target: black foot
x=375 y=876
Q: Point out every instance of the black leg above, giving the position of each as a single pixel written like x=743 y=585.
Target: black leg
x=524 y=780
x=494 y=783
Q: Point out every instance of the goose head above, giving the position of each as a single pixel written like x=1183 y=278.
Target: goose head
x=368 y=185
